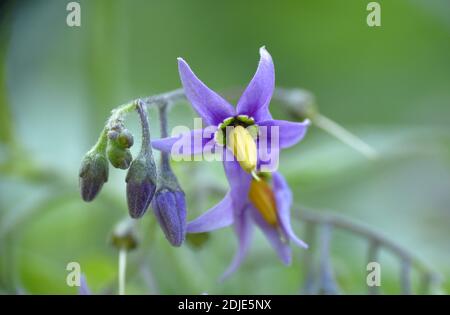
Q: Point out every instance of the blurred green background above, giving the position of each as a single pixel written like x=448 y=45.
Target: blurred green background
x=390 y=85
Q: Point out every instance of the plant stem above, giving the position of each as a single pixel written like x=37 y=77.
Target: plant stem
x=165 y=164
x=340 y=222
x=122 y=270
x=146 y=142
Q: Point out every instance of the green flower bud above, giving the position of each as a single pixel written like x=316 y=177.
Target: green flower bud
x=93 y=174
x=197 y=240
x=124 y=235
x=118 y=157
x=125 y=139
x=121 y=138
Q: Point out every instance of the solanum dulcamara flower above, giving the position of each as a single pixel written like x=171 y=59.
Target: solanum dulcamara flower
x=255 y=196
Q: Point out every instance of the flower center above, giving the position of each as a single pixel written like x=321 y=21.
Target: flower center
x=262 y=197
x=239 y=134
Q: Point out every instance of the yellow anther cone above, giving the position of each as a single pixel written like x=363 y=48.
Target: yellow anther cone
x=261 y=195
x=243 y=146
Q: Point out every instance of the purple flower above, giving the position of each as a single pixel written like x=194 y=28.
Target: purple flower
x=258 y=198
x=265 y=203
x=235 y=127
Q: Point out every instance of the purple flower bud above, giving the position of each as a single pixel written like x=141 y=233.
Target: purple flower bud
x=170 y=211
x=93 y=174
x=141 y=184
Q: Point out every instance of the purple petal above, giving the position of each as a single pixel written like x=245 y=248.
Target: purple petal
x=283 y=197
x=255 y=100
x=268 y=153
x=189 y=143
x=273 y=235
x=242 y=226
x=289 y=132
x=219 y=216
x=208 y=104
x=239 y=182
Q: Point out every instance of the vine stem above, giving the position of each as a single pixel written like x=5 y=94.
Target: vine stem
x=122 y=270
x=310 y=216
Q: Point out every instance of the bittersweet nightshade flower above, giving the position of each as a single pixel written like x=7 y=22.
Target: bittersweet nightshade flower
x=93 y=174
x=251 y=112
x=142 y=176
x=265 y=203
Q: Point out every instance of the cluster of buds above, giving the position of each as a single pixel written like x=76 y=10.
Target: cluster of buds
x=120 y=141
x=144 y=185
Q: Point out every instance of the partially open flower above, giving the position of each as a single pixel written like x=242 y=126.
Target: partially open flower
x=93 y=174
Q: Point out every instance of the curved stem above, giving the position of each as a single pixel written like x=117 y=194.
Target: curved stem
x=340 y=222
x=146 y=141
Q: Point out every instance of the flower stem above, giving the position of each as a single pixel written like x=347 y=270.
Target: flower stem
x=122 y=270
x=344 y=135
x=165 y=165
x=146 y=142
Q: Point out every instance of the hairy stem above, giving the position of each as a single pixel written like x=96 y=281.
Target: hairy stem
x=146 y=142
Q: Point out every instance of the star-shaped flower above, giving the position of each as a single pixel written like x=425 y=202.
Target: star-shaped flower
x=254 y=196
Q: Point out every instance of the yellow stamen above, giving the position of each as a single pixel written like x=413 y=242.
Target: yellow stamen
x=243 y=147
x=261 y=195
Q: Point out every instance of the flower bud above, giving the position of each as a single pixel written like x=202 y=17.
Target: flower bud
x=93 y=174
x=141 y=184
x=170 y=210
x=125 y=139
x=124 y=236
x=117 y=156
x=122 y=137
x=197 y=240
